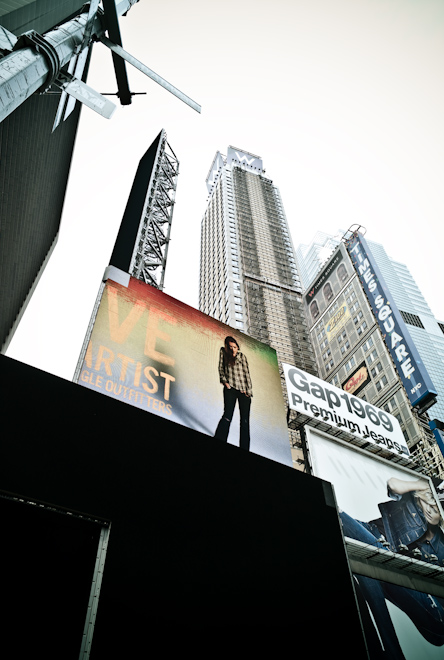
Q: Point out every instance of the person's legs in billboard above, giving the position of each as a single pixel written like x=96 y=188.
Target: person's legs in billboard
x=371 y=591
x=424 y=610
x=223 y=428
x=361 y=531
x=244 y=410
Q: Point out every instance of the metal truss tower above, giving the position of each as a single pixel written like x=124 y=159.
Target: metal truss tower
x=151 y=250
x=141 y=246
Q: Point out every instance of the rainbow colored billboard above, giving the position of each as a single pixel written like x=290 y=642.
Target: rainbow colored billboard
x=154 y=352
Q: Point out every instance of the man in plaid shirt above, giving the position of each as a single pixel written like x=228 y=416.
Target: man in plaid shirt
x=235 y=377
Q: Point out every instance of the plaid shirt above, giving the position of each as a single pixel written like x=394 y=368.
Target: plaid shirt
x=237 y=375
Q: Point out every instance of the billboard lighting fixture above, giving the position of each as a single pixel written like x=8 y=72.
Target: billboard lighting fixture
x=366 y=435
x=316 y=414
x=326 y=419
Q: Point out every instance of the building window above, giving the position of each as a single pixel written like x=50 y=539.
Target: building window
x=345 y=347
x=381 y=383
x=376 y=370
x=342 y=336
x=368 y=344
x=373 y=355
x=358 y=317
x=329 y=365
x=361 y=328
x=412 y=319
x=351 y=297
x=351 y=363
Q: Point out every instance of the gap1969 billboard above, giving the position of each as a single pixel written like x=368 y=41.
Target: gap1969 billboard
x=156 y=353
x=314 y=397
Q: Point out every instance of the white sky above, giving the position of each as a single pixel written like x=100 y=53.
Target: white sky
x=343 y=100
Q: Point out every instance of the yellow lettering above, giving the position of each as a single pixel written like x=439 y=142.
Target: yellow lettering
x=168 y=379
x=153 y=333
x=137 y=374
x=84 y=376
x=120 y=332
x=106 y=360
x=147 y=371
x=89 y=355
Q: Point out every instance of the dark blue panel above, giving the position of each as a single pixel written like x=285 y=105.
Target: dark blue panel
x=410 y=368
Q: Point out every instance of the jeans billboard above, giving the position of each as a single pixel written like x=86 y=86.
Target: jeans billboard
x=396 y=513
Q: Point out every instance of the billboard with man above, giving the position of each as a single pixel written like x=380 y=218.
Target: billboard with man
x=393 y=517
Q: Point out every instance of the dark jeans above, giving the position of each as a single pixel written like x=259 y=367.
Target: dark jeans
x=425 y=611
x=230 y=397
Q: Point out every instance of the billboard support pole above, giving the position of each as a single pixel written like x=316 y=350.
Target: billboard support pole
x=33 y=62
x=438 y=431
x=308 y=469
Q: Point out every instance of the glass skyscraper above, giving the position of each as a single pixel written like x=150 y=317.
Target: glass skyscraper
x=310 y=258
x=426 y=332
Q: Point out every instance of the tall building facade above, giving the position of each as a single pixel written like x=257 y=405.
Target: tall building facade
x=425 y=330
x=248 y=273
x=352 y=353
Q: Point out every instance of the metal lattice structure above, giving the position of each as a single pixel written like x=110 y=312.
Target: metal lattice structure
x=150 y=253
x=34 y=63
